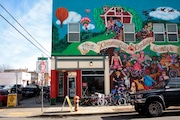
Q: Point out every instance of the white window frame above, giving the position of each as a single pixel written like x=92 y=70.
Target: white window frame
x=129 y=32
x=74 y=32
x=158 y=32
x=170 y=33
x=68 y=86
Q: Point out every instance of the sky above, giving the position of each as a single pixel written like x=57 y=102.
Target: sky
x=16 y=52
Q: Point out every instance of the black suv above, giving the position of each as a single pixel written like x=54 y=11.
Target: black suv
x=13 y=89
x=153 y=102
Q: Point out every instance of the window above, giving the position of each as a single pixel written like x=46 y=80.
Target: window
x=158 y=30
x=92 y=81
x=129 y=33
x=174 y=83
x=172 y=32
x=61 y=84
x=73 y=32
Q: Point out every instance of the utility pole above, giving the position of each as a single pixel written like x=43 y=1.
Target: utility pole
x=16 y=87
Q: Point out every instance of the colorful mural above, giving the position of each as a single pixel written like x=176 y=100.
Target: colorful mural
x=102 y=32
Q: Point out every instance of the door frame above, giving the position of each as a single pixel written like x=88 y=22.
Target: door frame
x=68 y=93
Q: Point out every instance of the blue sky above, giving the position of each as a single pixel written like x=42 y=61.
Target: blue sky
x=36 y=17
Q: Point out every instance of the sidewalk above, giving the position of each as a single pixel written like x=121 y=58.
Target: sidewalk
x=59 y=111
x=90 y=110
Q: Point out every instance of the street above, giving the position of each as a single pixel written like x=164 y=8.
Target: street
x=27 y=105
x=172 y=114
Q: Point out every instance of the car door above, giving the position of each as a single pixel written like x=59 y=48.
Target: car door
x=172 y=92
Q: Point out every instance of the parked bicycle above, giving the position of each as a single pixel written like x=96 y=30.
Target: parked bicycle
x=46 y=96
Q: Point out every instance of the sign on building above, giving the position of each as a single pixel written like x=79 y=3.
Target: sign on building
x=42 y=65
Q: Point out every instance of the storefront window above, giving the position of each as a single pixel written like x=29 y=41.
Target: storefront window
x=61 y=84
x=92 y=81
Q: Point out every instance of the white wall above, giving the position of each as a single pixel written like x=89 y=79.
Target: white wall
x=9 y=78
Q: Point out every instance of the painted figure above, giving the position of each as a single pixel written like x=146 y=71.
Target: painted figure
x=118 y=11
x=110 y=25
x=118 y=79
x=118 y=26
x=133 y=87
x=116 y=62
x=148 y=82
x=163 y=76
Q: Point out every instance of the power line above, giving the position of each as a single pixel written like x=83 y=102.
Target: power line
x=23 y=35
x=24 y=28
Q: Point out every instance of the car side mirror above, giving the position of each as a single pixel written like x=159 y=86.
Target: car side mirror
x=167 y=87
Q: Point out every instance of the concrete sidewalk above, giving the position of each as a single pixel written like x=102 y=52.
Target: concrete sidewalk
x=90 y=110
x=56 y=111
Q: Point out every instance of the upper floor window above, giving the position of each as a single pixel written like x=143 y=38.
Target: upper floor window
x=73 y=32
x=158 y=30
x=172 y=32
x=129 y=33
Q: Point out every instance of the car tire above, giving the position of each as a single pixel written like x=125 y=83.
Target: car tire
x=139 y=109
x=154 y=108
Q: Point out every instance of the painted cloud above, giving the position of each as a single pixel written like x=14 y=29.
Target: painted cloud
x=73 y=17
x=165 y=13
x=89 y=27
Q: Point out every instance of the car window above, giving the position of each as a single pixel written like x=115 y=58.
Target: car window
x=174 y=83
x=4 y=92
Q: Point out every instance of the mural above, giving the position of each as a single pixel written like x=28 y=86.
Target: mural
x=143 y=62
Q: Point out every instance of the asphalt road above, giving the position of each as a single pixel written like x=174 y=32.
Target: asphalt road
x=175 y=115
x=172 y=113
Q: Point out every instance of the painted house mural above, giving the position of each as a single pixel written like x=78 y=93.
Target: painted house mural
x=99 y=45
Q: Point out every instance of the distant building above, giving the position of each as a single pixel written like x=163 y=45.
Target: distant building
x=10 y=77
x=34 y=77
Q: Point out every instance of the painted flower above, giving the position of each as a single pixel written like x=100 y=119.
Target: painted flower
x=131 y=48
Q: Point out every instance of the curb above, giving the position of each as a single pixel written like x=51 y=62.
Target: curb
x=55 y=114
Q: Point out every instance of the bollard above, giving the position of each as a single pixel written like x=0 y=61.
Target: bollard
x=76 y=103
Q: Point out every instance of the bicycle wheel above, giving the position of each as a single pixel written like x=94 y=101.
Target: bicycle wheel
x=141 y=73
x=134 y=73
x=46 y=98
x=173 y=73
x=38 y=99
x=105 y=102
x=122 y=101
x=100 y=102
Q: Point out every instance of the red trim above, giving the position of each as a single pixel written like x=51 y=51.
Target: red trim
x=78 y=83
x=65 y=83
x=53 y=83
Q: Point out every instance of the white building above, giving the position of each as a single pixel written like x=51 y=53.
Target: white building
x=10 y=78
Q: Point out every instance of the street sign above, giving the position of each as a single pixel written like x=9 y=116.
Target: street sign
x=42 y=67
x=12 y=100
x=42 y=58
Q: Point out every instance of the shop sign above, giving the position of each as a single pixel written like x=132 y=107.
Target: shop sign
x=12 y=100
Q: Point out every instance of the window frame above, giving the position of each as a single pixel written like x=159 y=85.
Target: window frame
x=172 y=33
x=129 y=32
x=159 y=32
x=74 y=32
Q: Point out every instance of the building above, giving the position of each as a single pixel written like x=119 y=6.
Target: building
x=84 y=48
x=11 y=77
